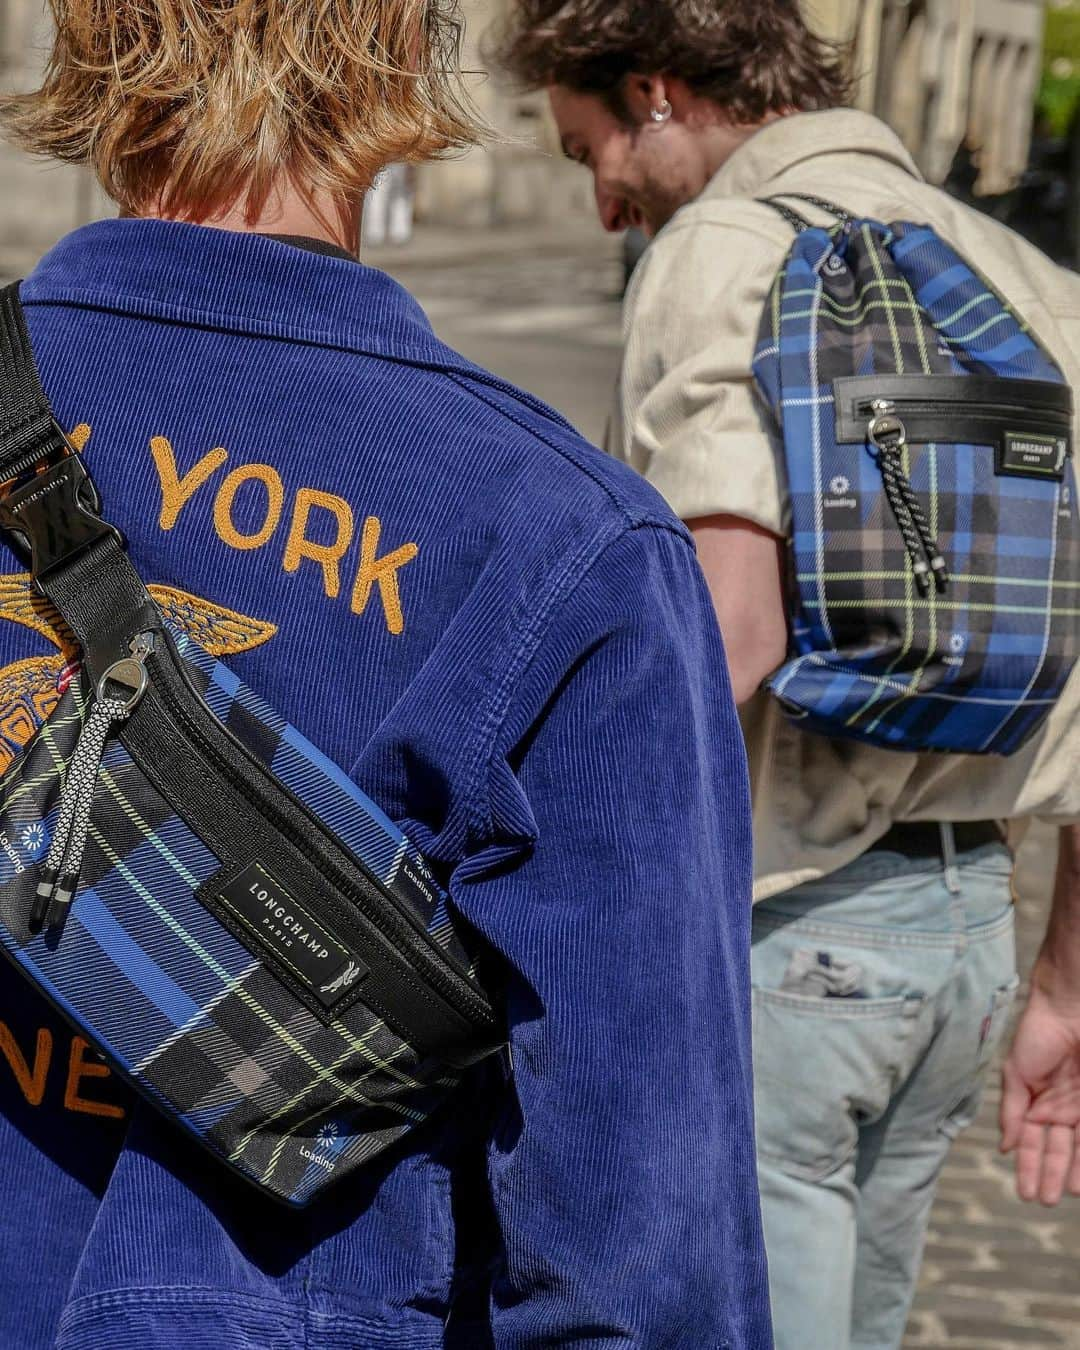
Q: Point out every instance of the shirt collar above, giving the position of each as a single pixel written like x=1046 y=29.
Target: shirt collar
x=242 y=283
x=782 y=144
x=322 y=246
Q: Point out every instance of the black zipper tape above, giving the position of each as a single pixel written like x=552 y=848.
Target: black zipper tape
x=455 y=985
x=238 y=833
x=960 y=410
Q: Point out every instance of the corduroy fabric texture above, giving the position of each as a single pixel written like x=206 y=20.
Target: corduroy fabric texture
x=978 y=667
x=506 y=641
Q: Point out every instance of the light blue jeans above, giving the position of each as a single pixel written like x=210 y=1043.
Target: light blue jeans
x=880 y=997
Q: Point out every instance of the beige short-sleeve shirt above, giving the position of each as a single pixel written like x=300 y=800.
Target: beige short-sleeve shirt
x=688 y=418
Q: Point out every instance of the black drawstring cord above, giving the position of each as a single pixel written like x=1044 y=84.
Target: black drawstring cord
x=938 y=566
x=922 y=547
x=892 y=473
x=889 y=436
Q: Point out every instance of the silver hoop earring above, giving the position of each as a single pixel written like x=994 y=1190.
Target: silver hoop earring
x=662 y=114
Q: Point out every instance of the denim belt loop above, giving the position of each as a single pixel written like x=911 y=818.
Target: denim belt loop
x=948 y=853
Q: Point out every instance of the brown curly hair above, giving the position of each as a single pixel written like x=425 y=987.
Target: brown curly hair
x=197 y=105
x=752 y=57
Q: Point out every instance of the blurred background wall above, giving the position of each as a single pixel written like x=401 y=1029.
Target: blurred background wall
x=947 y=74
x=953 y=76
x=38 y=202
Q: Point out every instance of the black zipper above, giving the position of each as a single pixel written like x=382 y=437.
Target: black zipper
x=389 y=920
x=955 y=409
x=946 y=409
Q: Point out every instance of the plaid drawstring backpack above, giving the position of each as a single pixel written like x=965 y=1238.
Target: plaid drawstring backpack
x=935 y=541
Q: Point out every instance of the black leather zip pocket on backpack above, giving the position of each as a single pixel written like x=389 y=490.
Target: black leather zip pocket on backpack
x=1028 y=423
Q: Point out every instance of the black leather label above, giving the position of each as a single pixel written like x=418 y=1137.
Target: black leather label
x=1029 y=455
x=289 y=934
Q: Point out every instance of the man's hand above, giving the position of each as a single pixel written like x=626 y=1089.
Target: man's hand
x=1040 y=1104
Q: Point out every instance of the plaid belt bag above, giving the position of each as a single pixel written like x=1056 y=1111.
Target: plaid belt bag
x=243 y=935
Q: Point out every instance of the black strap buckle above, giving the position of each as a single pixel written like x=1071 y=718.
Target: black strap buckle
x=54 y=515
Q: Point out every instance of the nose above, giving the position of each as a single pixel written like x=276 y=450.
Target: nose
x=612 y=209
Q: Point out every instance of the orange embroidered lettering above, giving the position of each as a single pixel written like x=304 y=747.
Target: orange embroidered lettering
x=80 y=436
x=305 y=534
x=328 y=556
x=176 y=492
x=31 y=1083
x=223 y=505
x=381 y=570
x=79 y=1067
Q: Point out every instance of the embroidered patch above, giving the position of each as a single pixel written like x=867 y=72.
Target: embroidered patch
x=31 y=689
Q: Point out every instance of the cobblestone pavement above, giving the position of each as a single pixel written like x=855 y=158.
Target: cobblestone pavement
x=997 y=1275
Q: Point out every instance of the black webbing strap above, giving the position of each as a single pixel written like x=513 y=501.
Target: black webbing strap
x=89 y=580
x=104 y=603
x=28 y=431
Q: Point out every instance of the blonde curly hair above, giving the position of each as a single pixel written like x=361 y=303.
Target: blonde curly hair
x=195 y=106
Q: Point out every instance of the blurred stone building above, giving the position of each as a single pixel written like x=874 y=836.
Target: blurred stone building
x=947 y=73
x=942 y=71
x=38 y=202
x=522 y=176
x=511 y=183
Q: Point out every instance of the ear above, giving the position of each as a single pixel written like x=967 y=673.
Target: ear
x=644 y=95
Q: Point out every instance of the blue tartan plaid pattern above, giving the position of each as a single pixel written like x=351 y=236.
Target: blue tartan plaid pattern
x=191 y=1015
x=976 y=669
x=321 y=785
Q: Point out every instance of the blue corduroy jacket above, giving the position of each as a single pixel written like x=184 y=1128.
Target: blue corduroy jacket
x=506 y=639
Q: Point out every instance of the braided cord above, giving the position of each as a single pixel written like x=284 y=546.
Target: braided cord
x=60 y=877
x=899 y=499
x=926 y=534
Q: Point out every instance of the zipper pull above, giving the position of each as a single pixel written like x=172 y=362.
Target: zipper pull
x=119 y=692
x=886 y=431
x=888 y=434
